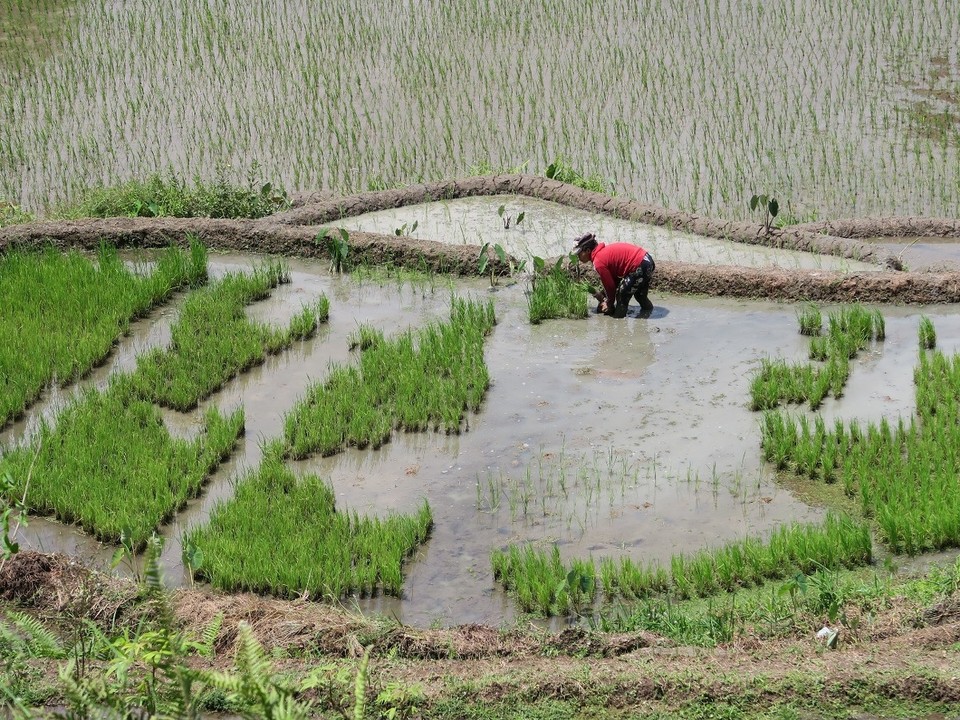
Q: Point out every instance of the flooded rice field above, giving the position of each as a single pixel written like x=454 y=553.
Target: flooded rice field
x=546 y=229
x=605 y=437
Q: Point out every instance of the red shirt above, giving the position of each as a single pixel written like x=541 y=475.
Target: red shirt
x=614 y=262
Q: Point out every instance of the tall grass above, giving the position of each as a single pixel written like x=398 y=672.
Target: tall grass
x=415 y=381
x=62 y=313
x=213 y=341
x=110 y=466
x=170 y=195
x=283 y=535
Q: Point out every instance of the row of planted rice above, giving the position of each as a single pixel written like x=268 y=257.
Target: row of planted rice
x=838 y=109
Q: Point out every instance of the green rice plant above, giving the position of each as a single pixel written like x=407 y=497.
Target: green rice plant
x=62 y=313
x=110 y=466
x=213 y=341
x=903 y=474
x=556 y=295
x=540 y=581
x=170 y=195
x=282 y=534
x=811 y=321
x=927 y=334
x=362 y=405
x=850 y=329
x=364 y=338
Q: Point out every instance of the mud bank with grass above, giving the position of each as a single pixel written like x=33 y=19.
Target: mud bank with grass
x=294 y=233
x=900 y=662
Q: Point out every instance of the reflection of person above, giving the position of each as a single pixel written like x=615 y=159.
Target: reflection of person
x=624 y=270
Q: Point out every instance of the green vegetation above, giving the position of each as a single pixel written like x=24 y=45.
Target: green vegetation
x=927 y=334
x=361 y=405
x=160 y=196
x=811 y=320
x=556 y=295
x=74 y=311
x=110 y=465
x=213 y=341
x=561 y=169
x=282 y=535
x=903 y=475
x=850 y=330
x=542 y=584
x=11 y=214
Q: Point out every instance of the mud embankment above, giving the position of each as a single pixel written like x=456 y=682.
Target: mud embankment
x=294 y=232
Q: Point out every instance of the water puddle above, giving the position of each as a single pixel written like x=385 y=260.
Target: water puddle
x=606 y=437
x=920 y=254
x=548 y=230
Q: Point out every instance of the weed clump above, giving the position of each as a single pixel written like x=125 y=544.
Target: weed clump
x=171 y=196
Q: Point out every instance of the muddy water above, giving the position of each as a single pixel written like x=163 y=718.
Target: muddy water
x=548 y=229
x=924 y=253
x=604 y=437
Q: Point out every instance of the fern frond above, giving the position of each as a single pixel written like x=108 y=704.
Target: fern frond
x=210 y=634
x=252 y=660
x=40 y=641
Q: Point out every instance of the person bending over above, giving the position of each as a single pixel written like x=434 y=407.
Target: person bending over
x=624 y=270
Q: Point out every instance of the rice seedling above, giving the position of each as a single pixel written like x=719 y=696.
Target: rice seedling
x=927 y=334
x=364 y=338
x=903 y=473
x=110 y=466
x=811 y=321
x=839 y=542
x=62 y=313
x=542 y=583
x=213 y=341
x=282 y=534
x=850 y=329
x=362 y=405
x=556 y=295
x=853 y=146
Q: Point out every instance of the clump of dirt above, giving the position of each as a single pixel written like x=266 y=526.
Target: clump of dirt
x=58 y=585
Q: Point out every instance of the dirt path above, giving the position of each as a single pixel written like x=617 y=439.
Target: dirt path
x=294 y=232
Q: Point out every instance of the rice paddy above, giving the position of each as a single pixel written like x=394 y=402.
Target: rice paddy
x=362 y=405
x=62 y=313
x=422 y=412
x=663 y=104
x=281 y=534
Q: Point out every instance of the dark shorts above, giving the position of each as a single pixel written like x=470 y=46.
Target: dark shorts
x=636 y=285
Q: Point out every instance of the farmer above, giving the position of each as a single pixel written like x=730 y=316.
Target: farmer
x=624 y=270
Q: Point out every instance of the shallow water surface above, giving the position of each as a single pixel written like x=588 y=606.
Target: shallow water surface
x=548 y=230
x=605 y=437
